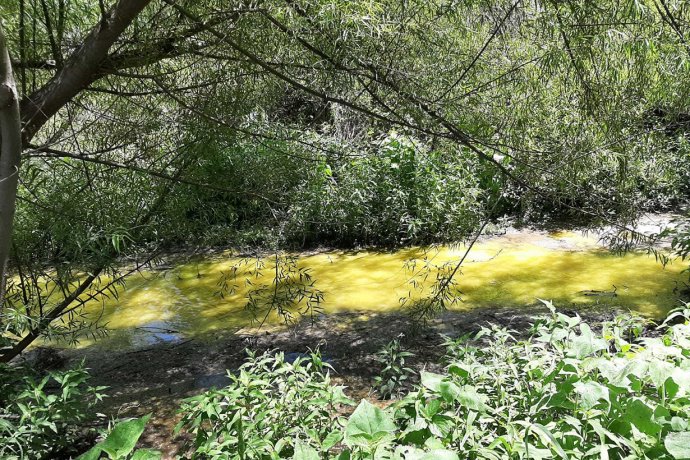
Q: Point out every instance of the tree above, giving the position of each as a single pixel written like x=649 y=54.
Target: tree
x=552 y=97
x=82 y=68
x=10 y=154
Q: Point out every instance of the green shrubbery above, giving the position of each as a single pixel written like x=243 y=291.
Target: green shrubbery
x=394 y=189
x=389 y=189
x=43 y=417
x=561 y=390
x=49 y=417
x=269 y=410
x=564 y=392
x=394 y=376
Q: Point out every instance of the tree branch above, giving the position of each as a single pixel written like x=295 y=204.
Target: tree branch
x=80 y=70
x=47 y=152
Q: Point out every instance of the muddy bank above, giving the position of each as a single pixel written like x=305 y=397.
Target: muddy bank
x=155 y=379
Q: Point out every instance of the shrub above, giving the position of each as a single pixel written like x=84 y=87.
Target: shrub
x=41 y=418
x=271 y=409
x=565 y=391
x=394 y=375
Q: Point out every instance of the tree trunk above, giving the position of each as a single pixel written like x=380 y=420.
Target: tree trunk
x=10 y=156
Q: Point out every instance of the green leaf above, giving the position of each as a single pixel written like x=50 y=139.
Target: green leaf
x=368 y=425
x=305 y=452
x=591 y=393
x=467 y=396
x=122 y=439
x=333 y=438
x=458 y=370
x=678 y=445
x=549 y=438
x=413 y=453
x=92 y=454
x=586 y=343
x=449 y=391
x=146 y=454
x=439 y=454
x=640 y=415
x=430 y=380
x=679 y=424
x=344 y=455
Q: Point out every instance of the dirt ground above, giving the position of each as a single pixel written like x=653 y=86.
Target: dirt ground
x=155 y=379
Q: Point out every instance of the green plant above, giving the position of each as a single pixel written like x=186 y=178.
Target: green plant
x=394 y=376
x=270 y=409
x=565 y=391
x=120 y=441
x=370 y=434
x=41 y=417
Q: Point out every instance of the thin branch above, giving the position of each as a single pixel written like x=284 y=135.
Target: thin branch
x=47 y=152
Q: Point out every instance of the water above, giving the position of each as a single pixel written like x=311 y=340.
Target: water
x=512 y=270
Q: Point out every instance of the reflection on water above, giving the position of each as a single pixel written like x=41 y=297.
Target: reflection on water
x=511 y=270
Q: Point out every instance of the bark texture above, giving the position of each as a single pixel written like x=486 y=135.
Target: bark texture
x=10 y=157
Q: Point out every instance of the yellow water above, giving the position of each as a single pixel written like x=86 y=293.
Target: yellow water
x=511 y=270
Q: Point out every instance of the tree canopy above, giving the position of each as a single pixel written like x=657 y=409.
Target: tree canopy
x=146 y=125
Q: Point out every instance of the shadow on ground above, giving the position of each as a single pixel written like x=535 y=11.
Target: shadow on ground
x=155 y=379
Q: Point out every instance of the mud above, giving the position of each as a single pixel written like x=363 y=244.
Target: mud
x=155 y=379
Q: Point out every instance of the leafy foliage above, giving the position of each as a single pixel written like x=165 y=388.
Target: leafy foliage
x=565 y=391
x=292 y=293
x=120 y=442
x=350 y=123
x=42 y=417
x=394 y=376
x=271 y=409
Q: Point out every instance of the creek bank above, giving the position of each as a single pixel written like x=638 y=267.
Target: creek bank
x=155 y=379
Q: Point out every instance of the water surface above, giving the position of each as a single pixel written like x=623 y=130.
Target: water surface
x=512 y=270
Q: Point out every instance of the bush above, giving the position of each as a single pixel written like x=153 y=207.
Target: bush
x=41 y=418
x=394 y=376
x=398 y=191
x=564 y=392
x=270 y=409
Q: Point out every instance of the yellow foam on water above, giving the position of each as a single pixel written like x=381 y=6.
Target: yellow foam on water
x=513 y=270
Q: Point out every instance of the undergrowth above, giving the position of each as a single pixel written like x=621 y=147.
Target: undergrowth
x=566 y=391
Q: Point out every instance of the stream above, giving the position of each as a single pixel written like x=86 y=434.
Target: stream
x=516 y=269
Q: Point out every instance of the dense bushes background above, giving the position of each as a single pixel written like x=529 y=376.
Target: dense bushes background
x=386 y=190
x=396 y=189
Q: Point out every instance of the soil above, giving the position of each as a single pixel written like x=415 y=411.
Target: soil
x=156 y=379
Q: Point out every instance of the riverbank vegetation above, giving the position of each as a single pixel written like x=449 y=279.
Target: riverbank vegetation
x=299 y=125
x=562 y=389
x=130 y=128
